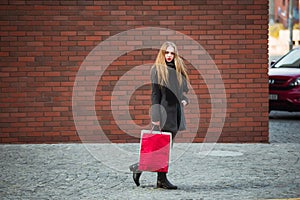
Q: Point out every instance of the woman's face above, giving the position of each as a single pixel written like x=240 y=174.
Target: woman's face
x=169 y=54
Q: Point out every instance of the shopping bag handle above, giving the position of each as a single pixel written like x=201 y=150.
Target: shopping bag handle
x=158 y=127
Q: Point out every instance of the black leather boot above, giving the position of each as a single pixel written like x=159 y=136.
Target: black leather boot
x=162 y=181
x=136 y=173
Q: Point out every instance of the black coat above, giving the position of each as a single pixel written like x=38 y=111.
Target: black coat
x=166 y=102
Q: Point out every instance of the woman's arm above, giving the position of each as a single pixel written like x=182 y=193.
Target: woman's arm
x=155 y=97
x=185 y=100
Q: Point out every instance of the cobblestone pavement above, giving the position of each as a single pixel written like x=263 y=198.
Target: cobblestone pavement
x=203 y=171
x=284 y=127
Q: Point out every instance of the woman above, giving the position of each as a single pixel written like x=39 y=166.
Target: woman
x=169 y=82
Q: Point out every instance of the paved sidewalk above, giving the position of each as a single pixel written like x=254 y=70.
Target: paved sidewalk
x=100 y=171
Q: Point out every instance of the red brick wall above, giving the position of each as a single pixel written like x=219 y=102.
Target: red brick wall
x=44 y=43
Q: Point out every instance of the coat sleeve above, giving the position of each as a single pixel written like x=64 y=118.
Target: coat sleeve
x=185 y=89
x=155 y=96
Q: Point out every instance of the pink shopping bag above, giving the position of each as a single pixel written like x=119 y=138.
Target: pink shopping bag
x=155 y=147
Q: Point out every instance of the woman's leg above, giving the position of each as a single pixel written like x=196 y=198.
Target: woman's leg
x=136 y=173
x=162 y=181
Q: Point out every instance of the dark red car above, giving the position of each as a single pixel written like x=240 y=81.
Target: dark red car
x=284 y=83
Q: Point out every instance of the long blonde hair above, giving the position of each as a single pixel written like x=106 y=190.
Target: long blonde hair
x=161 y=66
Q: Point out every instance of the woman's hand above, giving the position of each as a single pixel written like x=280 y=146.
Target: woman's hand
x=156 y=123
x=184 y=103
